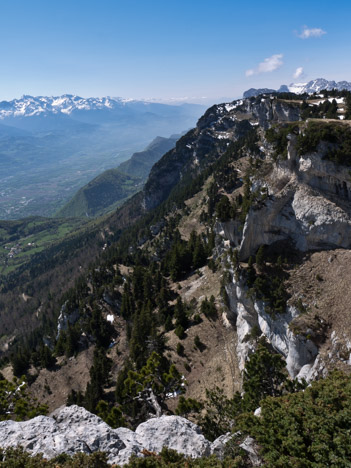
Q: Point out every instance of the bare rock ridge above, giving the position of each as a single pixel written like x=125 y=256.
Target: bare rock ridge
x=220 y=125
x=73 y=429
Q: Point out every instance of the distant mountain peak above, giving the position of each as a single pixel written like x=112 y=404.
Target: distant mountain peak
x=313 y=86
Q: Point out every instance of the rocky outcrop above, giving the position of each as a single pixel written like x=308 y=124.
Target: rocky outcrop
x=230 y=231
x=193 y=152
x=308 y=205
x=248 y=444
x=337 y=354
x=321 y=174
x=249 y=315
x=301 y=216
x=253 y=92
x=174 y=432
x=66 y=319
x=268 y=111
x=73 y=429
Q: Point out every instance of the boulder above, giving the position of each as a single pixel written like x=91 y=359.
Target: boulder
x=174 y=432
x=73 y=429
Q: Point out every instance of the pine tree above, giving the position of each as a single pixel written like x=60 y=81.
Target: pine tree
x=47 y=360
x=192 y=241
x=138 y=283
x=101 y=330
x=142 y=329
x=180 y=314
x=168 y=323
x=175 y=263
x=127 y=306
x=20 y=363
x=72 y=341
x=208 y=308
x=99 y=377
x=156 y=378
x=263 y=376
x=148 y=290
x=199 y=254
x=223 y=209
x=251 y=273
x=113 y=416
x=260 y=257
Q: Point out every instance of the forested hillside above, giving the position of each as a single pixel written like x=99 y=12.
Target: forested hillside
x=102 y=194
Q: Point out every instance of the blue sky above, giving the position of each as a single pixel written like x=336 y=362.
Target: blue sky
x=169 y=49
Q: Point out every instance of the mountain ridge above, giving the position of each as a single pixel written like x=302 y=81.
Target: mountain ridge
x=310 y=87
x=29 y=106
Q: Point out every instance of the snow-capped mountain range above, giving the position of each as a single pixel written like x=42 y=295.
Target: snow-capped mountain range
x=313 y=86
x=74 y=113
x=28 y=106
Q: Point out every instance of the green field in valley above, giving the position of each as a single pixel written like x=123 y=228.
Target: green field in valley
x=20 y=240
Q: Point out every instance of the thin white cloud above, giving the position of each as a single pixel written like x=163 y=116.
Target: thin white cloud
x=307 y=33
x=268 y=65
x=298 y=73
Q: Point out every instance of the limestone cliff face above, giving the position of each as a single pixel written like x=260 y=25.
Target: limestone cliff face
x=300 y=215
x=308 y=205
x=247 y=313
x=268 y=111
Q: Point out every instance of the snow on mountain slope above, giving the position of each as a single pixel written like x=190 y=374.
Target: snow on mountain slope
x=301 y=88
x=317 y=85
x=297 y=88
x=28 y=106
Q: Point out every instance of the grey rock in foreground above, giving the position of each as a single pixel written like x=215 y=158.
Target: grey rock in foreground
x=218 y=447
x=175 y=432
x=73 y=429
